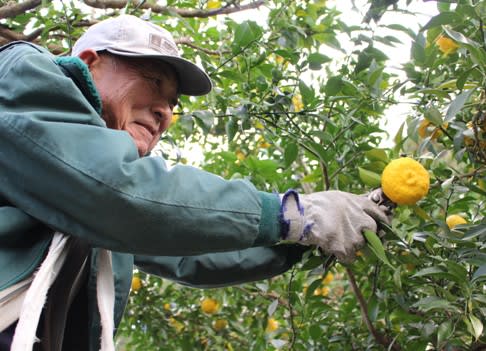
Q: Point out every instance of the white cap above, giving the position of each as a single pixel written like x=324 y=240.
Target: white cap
x=128 y=35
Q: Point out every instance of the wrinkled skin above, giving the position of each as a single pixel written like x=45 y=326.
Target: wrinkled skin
x=138 y=95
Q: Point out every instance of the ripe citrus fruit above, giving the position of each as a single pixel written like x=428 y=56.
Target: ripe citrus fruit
x=405 y=181
x=328 y=278
x=426 y=128
x=209 y=305
x=446 y=45
x=454 y=220
x=136 y=283
x=213 y=4
x=220 y=324
x=272 y=325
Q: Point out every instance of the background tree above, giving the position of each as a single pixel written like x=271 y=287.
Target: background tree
x=293 y=108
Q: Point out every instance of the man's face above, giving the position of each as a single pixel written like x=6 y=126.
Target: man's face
x=137 y=97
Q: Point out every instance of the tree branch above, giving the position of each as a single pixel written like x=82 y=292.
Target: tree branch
x=12 y=9
x=187 y=41
x=10 y=35
x=381 y=339
x=119 y=4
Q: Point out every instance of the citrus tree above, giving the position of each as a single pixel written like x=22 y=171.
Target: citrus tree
x=299 y=102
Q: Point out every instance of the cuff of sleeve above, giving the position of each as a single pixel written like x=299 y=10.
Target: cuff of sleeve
x=269 y=228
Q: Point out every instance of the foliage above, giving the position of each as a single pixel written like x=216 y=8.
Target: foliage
x=293 y=108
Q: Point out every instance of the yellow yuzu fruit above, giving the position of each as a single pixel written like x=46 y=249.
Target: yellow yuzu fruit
x=209 y=306
x=220 y=324
x=136 y=283
x=405 y=181
x=446 y=45
x=328 y=278
x=297 y=103
x=410 y=267
x=213 y=4
x=454 y=220
x=272 y=325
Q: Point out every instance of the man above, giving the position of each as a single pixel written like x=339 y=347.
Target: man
x=80 y=204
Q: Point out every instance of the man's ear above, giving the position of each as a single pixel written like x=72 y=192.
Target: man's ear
x=90 y=57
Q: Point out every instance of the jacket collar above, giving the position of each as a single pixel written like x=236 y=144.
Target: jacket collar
x=78 y=71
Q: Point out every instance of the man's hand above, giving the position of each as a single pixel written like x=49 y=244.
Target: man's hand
x=332 y=220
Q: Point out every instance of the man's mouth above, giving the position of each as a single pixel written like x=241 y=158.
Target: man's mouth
x=149 y=128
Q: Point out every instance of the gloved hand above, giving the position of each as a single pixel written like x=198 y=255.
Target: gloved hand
x=332 y=220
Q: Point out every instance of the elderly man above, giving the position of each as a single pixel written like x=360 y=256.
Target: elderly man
x=80 y=204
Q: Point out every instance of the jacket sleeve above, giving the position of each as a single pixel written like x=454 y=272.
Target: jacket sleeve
x=224 y=269
x=62 y=166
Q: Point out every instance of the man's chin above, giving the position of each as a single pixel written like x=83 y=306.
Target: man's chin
x=143 y=149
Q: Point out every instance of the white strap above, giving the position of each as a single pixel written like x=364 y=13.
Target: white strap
x=105 y=294
x=35 y=298
x=11 y=300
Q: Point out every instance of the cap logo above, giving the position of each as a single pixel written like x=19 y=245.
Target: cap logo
x=162 y=45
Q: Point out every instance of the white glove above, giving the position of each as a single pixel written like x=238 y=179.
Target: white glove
x=332 y=220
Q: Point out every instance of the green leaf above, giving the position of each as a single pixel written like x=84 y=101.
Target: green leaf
x=312 y=262
x=421 y=213
x=377 y=155
x=312 y=287
x=457 y=104
x=480 y=231
x=418 y=49
x=479 y=274
x=267 y=168
x=369 y=178
x=333 y=85
x=429 y=271
x=398 y=139
x=444 y=332
x=441 y=19
x=476 y=326
x=458 y=271
x=204 y=119
x=374 y=243
x=315 y=331
x=459 y=37
x=246 y=33
x=476 y=189
x=397 y=277
x=290 y=154
x=433 y=115
x=401 y=28
x=316 y=60
x=435 y=303
x=231 y=128
x=272 y=307
x=307 y=92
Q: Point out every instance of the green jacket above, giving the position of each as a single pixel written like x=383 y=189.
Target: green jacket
x=62 y=169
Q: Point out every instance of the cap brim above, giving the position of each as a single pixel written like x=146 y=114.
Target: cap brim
x=193 y=81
